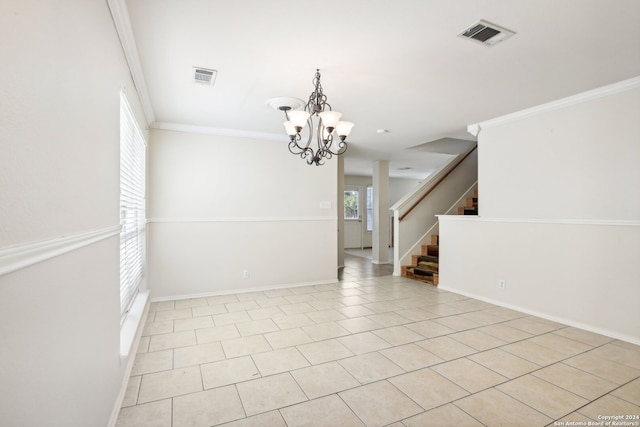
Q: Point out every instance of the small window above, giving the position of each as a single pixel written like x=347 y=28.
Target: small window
x=369 y=208
x=352 y=204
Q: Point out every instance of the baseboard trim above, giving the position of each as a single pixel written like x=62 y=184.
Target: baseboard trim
x=243 y=291
x=564 y=321
x=13 y=258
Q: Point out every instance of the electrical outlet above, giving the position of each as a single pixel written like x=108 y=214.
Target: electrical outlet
x=502 y=284
x=245 y=274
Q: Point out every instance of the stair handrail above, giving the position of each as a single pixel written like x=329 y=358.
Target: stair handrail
x=433 y=187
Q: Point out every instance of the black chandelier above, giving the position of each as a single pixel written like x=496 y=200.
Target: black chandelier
x=329 y=126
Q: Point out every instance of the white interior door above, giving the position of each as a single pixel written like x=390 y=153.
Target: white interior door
x=353 y=217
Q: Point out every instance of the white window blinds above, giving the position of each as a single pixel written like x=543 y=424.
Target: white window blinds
x=132 y=205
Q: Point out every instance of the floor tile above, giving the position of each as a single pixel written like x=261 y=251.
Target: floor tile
x=446 y=348
x=229 y=371
x=267 y=419
x=162 y=385
x=325 y=331
x=173 y=340
x=389 y=319
x=217 y=333
x=154 y=414
x=561 y=344
x=197 y=354
x=265 y=313
x=156 y=328
x=287 y=338
x=206 y=408
x=629 y=392
x=326 y=411
x=324 y=316
x=256 y=327
x=363 y=343
x=583 y=336
x=622 y=355
x=504 y=314
x=222 y=299
x=277 y=361
x=457 y=323
x=191 y=302
x=273 y=293
x=504 y=363
x=530 y=325
x=326 y=305
x=609 y=405
x=533 y=352
x=444 y=415
x=603 y=368
x=230 y=318
x=398 y=335
x=355 y=311
x=324 y=351
x=505 y=333
x=430 y=328
x=241 y=306
x=494 y=408
x=156 y=361
x=161 y=306
x=575 y=380
x=192 y=323
x=246 y=345
x=469 y=375
x=545 y=397
x=251 y=296
x=428 y=388
x=478 y=340
x=416 y=314
x=272 y=302
x=482 y=317
x=380 y=403
x=131 y=393
x=382 y=306
x=411 y=357
x=184 y=313
x=299 y=308
x=371 y=367
x=266 y=394
x=143 y=345
x=325 y=379
x=359 y=324
x=287 y=321
x=208 y=310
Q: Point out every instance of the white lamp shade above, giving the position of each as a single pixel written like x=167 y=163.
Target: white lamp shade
x=291 y=129
x=298 y=118
x=344 y=128
x=330 y=118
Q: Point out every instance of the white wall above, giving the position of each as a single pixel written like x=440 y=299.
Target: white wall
x=222 y=205
x=559 y=214
x=61 y=75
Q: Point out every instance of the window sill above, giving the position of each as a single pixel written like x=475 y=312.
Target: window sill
x=132 y=323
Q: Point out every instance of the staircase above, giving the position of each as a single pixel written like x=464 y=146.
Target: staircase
x=424 y=267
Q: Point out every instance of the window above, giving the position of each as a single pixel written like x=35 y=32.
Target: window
x=132 y=206
x=352 y=204
x=369 y=208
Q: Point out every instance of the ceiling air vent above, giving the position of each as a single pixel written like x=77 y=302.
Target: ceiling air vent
x=486 y=33
x=204 y=76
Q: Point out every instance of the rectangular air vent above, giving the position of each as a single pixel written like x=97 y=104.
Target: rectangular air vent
x=486 y=33
x=204 y=76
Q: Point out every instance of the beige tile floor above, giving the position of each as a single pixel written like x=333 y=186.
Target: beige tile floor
x=371 y=350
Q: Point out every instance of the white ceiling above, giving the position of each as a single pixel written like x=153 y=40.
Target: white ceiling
x=386 y=65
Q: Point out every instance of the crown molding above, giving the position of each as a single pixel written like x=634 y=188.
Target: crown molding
x=600 y=92
x=206 y=130
x=120 y=15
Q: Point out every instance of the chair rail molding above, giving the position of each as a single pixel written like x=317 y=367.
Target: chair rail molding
x=13 y=258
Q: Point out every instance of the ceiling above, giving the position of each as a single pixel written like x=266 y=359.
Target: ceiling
x=398 y=65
